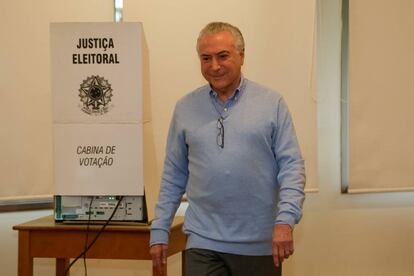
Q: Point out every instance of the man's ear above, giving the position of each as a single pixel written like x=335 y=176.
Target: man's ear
x=241 y=53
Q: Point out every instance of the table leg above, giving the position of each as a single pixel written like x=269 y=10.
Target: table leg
x=61 y=265
x=25 y=260
x=163 y=273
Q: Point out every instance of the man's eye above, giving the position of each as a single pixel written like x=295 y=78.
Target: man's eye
x=223 y=56
x=205 y=58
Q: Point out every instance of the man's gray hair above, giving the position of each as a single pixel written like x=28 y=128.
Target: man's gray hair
x=217 y=27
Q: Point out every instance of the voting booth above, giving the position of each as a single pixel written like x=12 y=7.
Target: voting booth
x=103 y=143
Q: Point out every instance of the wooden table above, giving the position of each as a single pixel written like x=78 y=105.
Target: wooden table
x=43 y=238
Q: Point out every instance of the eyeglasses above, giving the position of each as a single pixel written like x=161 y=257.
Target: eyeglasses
x=220 y=135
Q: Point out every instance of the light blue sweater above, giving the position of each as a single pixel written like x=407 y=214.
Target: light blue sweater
x=236 y=193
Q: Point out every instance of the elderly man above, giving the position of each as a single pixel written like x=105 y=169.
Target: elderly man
x=232 y=148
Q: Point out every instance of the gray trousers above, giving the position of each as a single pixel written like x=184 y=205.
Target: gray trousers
x=203 y=262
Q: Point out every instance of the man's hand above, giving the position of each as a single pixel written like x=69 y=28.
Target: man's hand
x=158 y=253
x=282 y=243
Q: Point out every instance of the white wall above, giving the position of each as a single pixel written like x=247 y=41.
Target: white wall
x=340 y=235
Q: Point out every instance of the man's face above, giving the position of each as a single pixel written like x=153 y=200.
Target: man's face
x=220 y=62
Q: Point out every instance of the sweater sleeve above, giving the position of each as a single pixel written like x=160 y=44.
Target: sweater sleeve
x=291 y=174
x=173 y=182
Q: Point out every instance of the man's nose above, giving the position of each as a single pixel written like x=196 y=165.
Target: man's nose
x=215 y=65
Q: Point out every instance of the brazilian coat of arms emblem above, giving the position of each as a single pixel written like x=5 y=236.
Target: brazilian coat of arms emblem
x=95 y=94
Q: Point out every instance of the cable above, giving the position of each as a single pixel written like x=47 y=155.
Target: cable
x=87 y=236
x=95 y=239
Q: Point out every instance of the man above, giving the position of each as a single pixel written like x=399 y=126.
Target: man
x=232 y=148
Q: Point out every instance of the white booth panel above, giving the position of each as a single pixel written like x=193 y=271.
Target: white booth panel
x=97 y=72
x=98 y=159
